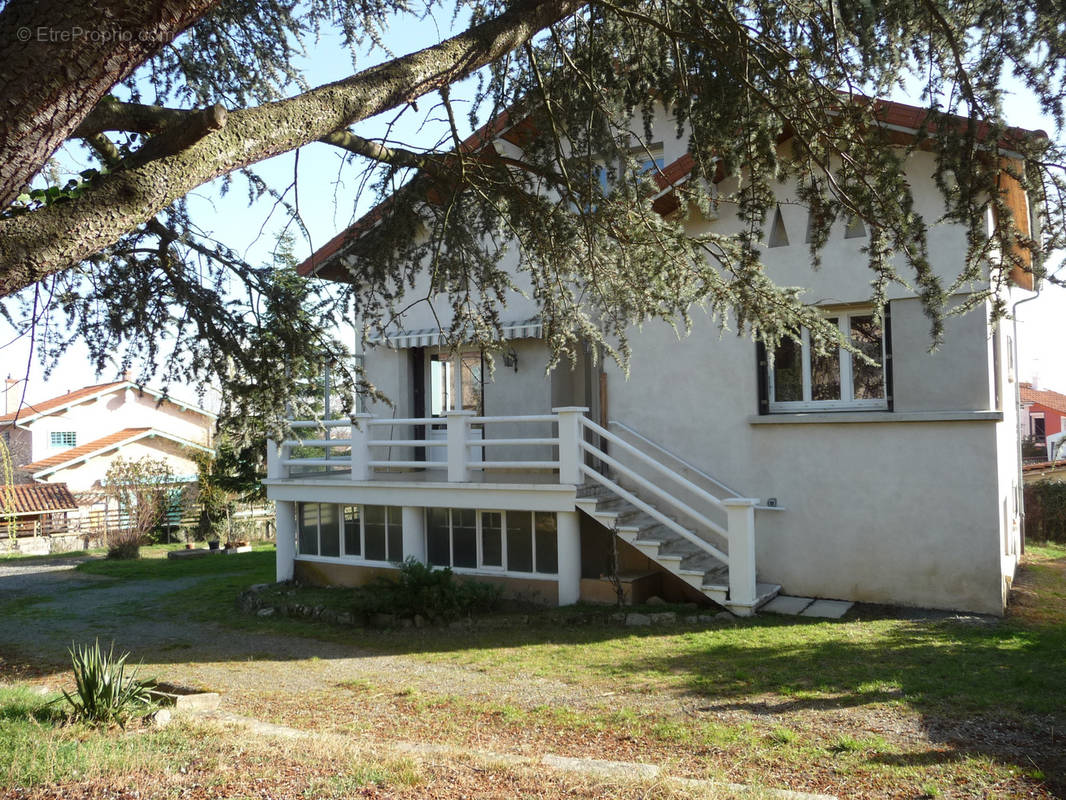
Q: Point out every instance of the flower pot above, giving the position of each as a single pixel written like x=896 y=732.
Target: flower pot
x=213 y=544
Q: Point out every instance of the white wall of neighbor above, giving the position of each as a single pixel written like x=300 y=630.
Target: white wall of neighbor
x=87 y=475
x=113 y=412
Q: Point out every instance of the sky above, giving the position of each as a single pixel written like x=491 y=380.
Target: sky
x=329 y=198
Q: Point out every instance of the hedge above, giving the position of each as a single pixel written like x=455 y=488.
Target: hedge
x=1045 y=511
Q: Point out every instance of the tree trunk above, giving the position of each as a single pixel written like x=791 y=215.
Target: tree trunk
x=59 y=57
x=35 y=245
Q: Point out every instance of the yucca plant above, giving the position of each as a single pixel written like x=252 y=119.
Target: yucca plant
x=105 y=693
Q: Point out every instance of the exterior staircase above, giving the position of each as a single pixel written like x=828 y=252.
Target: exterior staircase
x=678 y=554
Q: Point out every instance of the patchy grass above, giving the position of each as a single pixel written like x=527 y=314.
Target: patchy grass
x=875 y=705
x=42 y=757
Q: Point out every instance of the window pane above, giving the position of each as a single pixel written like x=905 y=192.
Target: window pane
x=520 y=541
x=351 y=531
x=374 y=532
x=464 y=538
x=868 y=380
x=788 y=372
x=438 y=548
x=492 y=539
x=547 y=543
x=395 y=543
x=308 y=540
x=825 y=372
x=329 y=530
x=472 y=382
x=440 y=382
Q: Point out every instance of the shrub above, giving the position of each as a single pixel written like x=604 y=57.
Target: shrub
x=434 y=593
x=1045 y=511
x=104 y=692
x=123 y=543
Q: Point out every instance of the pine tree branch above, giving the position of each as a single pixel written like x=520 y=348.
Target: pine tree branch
x=59 y=236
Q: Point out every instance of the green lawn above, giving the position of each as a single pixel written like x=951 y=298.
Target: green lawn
x=789 y=701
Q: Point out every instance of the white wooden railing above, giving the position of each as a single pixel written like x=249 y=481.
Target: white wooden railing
x=579 y=450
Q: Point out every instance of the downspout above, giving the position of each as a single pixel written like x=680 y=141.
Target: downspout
x=1017 y=409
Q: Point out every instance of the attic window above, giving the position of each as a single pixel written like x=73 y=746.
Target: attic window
x=63 y=439
x=855 y=229
x=778 y=234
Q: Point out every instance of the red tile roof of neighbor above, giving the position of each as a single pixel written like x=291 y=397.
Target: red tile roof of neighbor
x=113 y=440
x=889 y=113
x=36 y=498
x=1045 y=397
x=33 y=409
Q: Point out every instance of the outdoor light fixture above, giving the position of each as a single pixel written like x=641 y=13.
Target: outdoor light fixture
x=510 y=359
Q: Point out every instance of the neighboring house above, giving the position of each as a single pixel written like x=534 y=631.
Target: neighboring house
x=1042 y=414
x=823 y=476
x=34 y=509
x=73 y=438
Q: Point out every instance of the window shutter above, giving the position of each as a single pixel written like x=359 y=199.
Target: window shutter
x=762 y=376
x=888 y=354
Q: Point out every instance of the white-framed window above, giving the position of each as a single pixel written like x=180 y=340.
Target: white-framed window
x=369 y=533
x=63 y=439
x=442 y=368
x=803 y=380
x=504 y=541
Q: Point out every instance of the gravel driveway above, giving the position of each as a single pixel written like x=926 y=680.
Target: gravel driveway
x=62 y=606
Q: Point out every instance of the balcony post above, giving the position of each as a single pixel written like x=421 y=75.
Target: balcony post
x=360 y=436
x=276 y=454
x=458 y=437
x=285 y=542
x=740 y=518
x=570 y=443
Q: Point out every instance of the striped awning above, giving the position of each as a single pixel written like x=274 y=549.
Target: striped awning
x=435 y=337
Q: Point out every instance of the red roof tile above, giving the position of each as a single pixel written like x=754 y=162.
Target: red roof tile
x=1043 y=396
x=33 y=409
x=36 y=498
x=73 y=453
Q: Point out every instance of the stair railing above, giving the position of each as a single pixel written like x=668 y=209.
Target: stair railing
x=739 y=531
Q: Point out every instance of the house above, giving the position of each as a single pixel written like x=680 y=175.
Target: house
x=33 y=510
x=704 y=474
x=1042 y=415
x=73 y=438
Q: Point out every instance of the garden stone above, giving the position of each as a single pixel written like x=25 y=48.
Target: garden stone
x=406 y=623
x=383 y=620
x=345 y=618
x=618 y=617
x=637 y=619
x=705 y=618
x=258 y=587
x=420 y=621
x=663 y=618
x=655 y=600
x=265 y=612
x=160 y=718
x=725 y=616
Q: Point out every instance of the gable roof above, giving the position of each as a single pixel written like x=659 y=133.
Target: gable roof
x=903 y=119
x=36 y=498
x=52 y=405
x=1044 y=397
x=84 y=452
